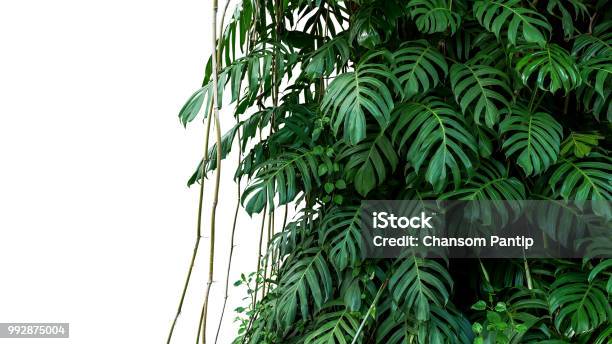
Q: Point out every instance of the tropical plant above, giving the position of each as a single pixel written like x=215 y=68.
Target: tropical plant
x=338 y=101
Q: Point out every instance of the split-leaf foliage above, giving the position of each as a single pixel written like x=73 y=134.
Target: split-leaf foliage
x=339 y=101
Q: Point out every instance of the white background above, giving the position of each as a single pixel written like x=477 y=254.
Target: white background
x=96 y=222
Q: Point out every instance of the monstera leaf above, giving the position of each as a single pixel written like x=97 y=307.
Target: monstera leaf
x=580 y=144
x=433 y=16
x=579 y=305
x=554 y=69
x=252 y=69
x=600 y=107
x=335 y=325
x=365 y=28
x=534 y=138
x=593 y=51
x=595 y=44
x=419 y=67
x=482 y=89
x=561 y=220
x=419 y=283
x=585 y=180
x=604 y=267
x=437 y=137
x=369 y=162
x=577 y=9
x=280 y=177
x=325 y=59
x=490 y=182
x=353 y=94
x=597 y=72
x=192 y=107
x=341 y=228
x=496 y=15
x=444 y=326
x=227 y=141
x=306 y=281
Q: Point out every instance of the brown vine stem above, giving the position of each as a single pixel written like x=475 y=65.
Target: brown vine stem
x=277 y=259
x=231 y=252
x=261 y=234
x=275 y=93
x=265 y=272
x=198 y=230
x=200 y=206
x=367 y=315
x=263 y=223
x=221 y=25
x=213 y=214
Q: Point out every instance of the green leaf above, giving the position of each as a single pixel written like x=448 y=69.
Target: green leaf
x=279 y=176
x=567 y=18
x=479 y=306
x=322 y=170
x=472 y=41
x=495 y=15
x=563 y=221
x=351 y=292
x=335 y=325
x=604 y=265
x=579 y=305
x=490 y=182
x=434 y=134
x=369 y=162
x=341 y=228
x=533 y=138
x=433 y=16
x=593 y=51
x=331 y=56
x=603 y=337
x=418 y=67
x=306 y=281
x=444 y=326
x=520 y=311
x=583 y=180
x=364 y=28
x=595 y=44
x=227 y=141
x=192 y=107
x=592 y=102
x=352 y=95
x=597 y=73
x=500 y=307
x=417 y=283
x=553 y=67
x=485 y=137
x=580 y=144
x=482 y=90
x=291 y=238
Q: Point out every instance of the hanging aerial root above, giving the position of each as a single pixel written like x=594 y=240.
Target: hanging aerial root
x=198 y=230
x=213 y=214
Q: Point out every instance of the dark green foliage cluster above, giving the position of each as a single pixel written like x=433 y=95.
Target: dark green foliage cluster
x=339 y=101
